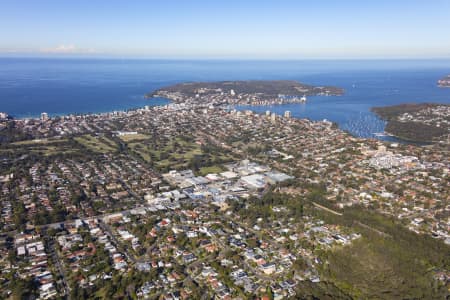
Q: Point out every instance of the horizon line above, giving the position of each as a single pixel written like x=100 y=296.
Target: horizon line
x=216 y=58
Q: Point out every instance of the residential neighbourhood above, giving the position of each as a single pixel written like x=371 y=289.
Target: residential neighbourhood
x=224 y=150
x=188 y=199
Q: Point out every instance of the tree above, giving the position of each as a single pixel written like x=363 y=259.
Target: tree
x=269 y=293
x=23 y=288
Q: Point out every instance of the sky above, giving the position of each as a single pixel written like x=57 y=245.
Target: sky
x=273 y=29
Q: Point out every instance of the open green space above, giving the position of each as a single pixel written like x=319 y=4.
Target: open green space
x=134 y=137
x=212 y=169
x=179 y=153
x=38 y=142
x=43 y=147
x=97 y=144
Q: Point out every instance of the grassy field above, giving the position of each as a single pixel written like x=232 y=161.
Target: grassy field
x=97 y=144
x=142 y=150
x=38 y=142
x=52 y=150
x=177 y=153
x=50 y=147
x=212 y=169
x=164 y=154
x=133 y=137
x=41 y=147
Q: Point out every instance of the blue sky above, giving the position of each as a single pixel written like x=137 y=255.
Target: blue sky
x=283 y=29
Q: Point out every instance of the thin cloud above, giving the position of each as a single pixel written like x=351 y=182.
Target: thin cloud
x=67 y=49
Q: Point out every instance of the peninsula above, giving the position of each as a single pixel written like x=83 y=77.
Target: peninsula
x=425 y=122
x=252 y=92
x=444 y=82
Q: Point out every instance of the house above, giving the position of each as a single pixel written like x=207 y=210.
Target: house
x=268 y=268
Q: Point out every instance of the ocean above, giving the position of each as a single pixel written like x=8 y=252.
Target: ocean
x=29 y=86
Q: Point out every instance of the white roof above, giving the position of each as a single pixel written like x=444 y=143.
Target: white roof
x=228 y=174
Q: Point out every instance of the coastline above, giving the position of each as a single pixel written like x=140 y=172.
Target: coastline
x=421 y=123
x=344 y=110
x=405 y=140
x=169 y=101
x=98 y=113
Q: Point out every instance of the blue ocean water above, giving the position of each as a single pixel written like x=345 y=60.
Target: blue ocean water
x=29 y=86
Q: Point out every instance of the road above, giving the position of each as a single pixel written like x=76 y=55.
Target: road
x=118 y=245
x=59 y=265
x=86 y=219
x=326 y=209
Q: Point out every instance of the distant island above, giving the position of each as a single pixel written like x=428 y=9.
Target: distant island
x=252 y=92
x=444 y=82
x=424 y=122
